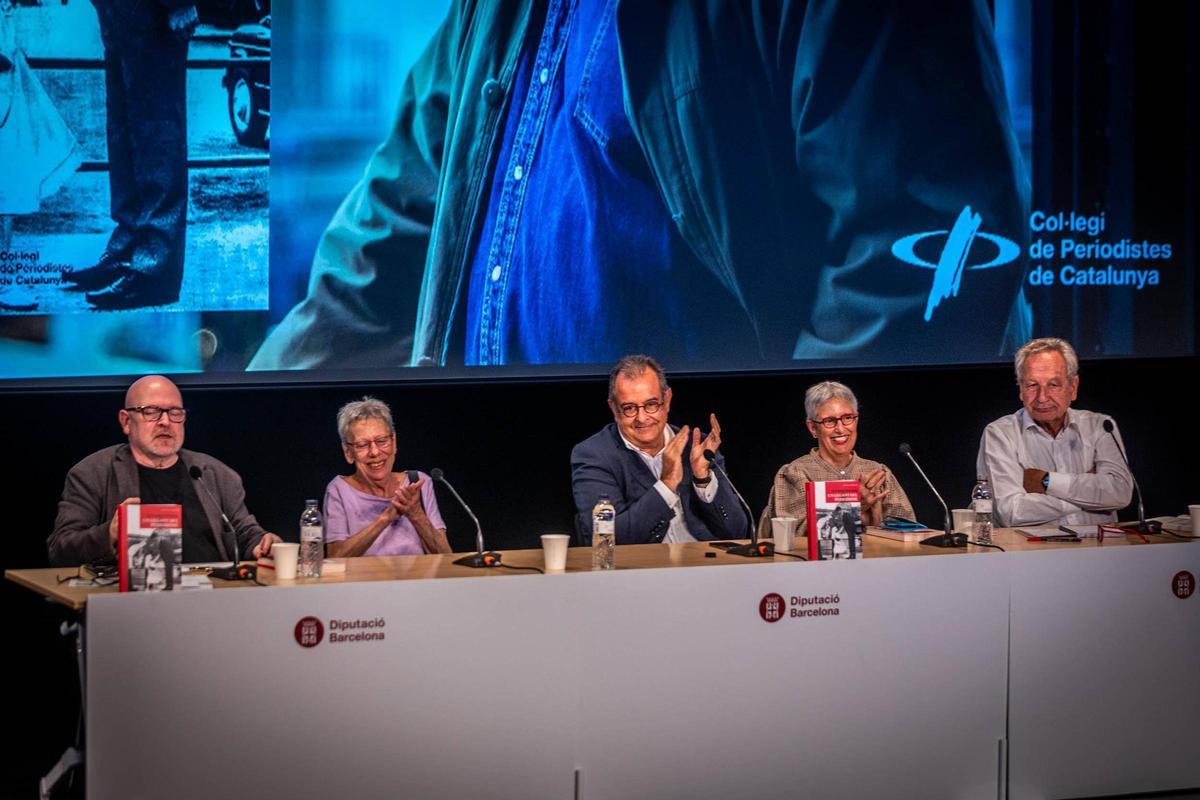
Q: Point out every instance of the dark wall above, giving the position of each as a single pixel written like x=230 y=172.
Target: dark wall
x=505 y=446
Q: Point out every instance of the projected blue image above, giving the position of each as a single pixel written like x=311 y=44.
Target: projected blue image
x=536 y=187
x=551 y=193
x=127 y=184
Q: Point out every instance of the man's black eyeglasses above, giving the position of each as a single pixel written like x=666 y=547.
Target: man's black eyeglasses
x=154 y=413
x=651 y=407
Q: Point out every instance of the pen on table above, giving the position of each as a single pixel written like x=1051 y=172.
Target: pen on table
x=1071 y=538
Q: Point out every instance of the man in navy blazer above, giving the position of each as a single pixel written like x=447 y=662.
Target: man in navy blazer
x=657 y=477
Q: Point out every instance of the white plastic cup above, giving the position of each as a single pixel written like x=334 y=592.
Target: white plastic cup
x=285 y=556
x=554 y=548
x=1195 y=512
x=964 y=519
x=783 y=531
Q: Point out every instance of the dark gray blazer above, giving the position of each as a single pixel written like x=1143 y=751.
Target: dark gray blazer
x=97 y=485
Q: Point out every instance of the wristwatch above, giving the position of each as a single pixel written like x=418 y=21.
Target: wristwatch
x=701 y=481
x=1046 y=481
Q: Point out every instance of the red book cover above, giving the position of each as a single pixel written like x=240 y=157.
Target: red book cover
x=149 y=546
x=834 y=520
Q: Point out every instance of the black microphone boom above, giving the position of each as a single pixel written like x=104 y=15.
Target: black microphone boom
x=480 y=558
x=1143 y=527
x=233 y=572
x=753 y=549
x=949 y=538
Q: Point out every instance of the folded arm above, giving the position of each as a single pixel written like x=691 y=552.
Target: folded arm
x=1012 y=505
x=1108 y=485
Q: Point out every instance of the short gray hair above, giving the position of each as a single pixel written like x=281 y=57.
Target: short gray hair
x=359 y=410
x=1049 y=344
x=821 y=393
x=632 y=367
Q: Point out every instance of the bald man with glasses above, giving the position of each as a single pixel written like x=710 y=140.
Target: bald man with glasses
x=153 y=467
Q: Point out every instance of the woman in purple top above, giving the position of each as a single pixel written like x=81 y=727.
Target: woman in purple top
x=375 y=511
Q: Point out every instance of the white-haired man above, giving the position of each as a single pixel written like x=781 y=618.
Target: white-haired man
x=1048 y=462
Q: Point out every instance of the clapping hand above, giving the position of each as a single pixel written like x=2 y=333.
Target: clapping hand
x=672 y=460
x=872 y=488
x=406 y=501
x=711 y=442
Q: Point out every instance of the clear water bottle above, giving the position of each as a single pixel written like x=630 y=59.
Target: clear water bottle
x=981 y=501
x=312 y=541
x=604 y=533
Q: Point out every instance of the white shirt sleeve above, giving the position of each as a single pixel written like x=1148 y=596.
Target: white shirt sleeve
x=669 y=497
x=707 y=493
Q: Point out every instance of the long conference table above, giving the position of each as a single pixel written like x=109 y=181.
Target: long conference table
x=1049 y=670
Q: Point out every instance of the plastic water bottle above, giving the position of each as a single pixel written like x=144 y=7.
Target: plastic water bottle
x=981 y=501
x=604 y=533
x=312 y=541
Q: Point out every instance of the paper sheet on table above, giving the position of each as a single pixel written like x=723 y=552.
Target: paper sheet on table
x=1180 y=524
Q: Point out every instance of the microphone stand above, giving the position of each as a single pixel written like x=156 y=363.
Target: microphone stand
x=1143 y=527
x=949 y=538
x=754 y=549
x=478 y=559
x=234 y=572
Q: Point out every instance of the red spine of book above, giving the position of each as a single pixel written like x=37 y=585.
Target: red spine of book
x=810 y=513
x=123 y=546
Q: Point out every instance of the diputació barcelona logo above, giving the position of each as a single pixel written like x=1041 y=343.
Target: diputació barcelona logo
x=309 y=632
x=772 y=608
x=1183 y=584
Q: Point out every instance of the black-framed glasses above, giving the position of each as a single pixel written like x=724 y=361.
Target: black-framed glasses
x=97 y=575
x=651 y=407
x=383 y=443
x=847 y=420
x=154 y=413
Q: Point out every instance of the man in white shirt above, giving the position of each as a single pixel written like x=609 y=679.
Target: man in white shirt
x=1049 y=463
x=657 y=477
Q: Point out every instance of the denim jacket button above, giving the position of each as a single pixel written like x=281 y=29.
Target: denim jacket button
x=493 y=93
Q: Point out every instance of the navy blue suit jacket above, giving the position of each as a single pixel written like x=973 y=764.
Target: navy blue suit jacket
x=603 y=465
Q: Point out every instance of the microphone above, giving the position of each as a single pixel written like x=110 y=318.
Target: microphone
x=479 y=558
x=949 y=538
x=754 y=549
x=1143 y=527
x=233 y=572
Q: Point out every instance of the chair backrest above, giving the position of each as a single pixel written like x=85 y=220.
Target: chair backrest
x=413 y=477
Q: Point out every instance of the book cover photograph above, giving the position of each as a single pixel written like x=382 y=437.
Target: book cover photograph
x=834 y=520
x=150 y=547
